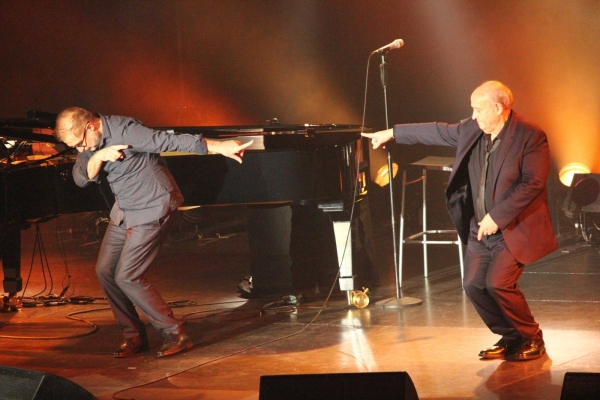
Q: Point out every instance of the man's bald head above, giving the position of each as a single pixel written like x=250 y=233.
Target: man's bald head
x=497 y=93
x=491 y=103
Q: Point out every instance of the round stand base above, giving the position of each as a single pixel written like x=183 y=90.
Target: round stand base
x=399 y=303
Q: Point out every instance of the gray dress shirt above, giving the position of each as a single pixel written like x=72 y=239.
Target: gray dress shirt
x=143 y=187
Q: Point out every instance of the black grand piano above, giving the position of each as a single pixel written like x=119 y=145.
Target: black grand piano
x=322 y=165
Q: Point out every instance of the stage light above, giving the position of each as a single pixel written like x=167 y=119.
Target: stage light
x=585 y=191
x=383 y=177
x=566 y=173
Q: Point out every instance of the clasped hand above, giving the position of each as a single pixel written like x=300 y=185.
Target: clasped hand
x=487 y=226
x=111 y=153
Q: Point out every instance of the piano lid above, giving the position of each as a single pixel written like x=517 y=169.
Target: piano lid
x=278 y=137
x=39 y=127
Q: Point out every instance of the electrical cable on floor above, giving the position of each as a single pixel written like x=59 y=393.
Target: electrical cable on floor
x=35 y=248
x=320 y=308
x=255 y=313
x=219 y=358
x=50 y=299
x=39 y=300
x=247 y=348
x=181 y=303
x=84 y=300
x=216 y=311
x=63 y=254
x=69 y=316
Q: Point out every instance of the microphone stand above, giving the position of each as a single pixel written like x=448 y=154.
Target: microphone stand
x=399 y=301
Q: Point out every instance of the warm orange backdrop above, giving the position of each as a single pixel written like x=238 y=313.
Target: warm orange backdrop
x=210 y=62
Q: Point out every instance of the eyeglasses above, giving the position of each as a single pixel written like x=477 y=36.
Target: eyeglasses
x=82 y=144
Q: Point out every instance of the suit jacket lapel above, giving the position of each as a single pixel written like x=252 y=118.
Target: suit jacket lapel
x=463 y=150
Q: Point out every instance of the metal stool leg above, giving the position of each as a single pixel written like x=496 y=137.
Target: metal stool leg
x=462 y=263
x=435 y=163
x=425 y=265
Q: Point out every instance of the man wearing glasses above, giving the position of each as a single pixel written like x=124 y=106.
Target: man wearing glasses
x=146 y=199
x=497 y=199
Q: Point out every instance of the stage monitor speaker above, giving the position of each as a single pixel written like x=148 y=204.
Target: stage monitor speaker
x=342 y=386
x=23 y=384
x=581 y=386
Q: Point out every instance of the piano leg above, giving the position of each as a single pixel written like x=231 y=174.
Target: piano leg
x=269 y=230
x=315 y=242
x=10 y=251
x=355 y=234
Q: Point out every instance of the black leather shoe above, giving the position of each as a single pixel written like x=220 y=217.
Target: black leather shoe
x=175 y=344
x=503 y=348
x=530 y=349
x=131 y=346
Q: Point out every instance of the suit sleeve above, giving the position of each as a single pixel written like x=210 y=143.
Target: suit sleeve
x=431 y=133
x=533 y=167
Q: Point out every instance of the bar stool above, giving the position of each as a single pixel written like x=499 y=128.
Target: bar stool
x=427 y=163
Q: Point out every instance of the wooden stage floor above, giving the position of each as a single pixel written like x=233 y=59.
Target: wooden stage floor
x=236 y=341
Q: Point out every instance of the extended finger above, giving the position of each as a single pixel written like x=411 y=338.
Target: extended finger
x=243 y=146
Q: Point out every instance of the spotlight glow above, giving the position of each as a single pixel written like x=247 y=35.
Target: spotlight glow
x=383 y=177
x=566 y=173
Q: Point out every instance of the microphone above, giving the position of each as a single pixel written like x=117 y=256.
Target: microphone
x=396 y=44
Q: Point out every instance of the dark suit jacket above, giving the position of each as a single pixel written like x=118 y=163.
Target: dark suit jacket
x=520 y=195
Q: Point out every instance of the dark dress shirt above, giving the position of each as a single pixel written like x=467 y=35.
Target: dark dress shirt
x=482 y=168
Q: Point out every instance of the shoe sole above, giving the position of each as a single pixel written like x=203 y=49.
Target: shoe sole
x=517 y=357
x=187 y=346
x=498 y=357
x=125 y=355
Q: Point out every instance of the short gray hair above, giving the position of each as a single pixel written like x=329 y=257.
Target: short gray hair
x=70 y=122
x=498 y=92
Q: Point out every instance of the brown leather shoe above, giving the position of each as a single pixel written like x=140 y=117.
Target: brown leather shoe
x=530 y=349
x=131 y=346
x=504 y=347
x=175 y=344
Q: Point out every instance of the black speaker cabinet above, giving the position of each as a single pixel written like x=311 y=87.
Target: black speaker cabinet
x=343 y=386
x=23 y=384
x=581 y=386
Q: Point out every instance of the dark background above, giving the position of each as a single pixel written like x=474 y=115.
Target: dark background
x=305 y=61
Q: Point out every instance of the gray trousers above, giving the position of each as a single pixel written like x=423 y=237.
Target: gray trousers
x=125 y=257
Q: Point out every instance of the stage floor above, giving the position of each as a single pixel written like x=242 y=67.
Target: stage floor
x=236 y=341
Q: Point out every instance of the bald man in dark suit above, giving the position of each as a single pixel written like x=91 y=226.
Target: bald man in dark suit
x=497 y=199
